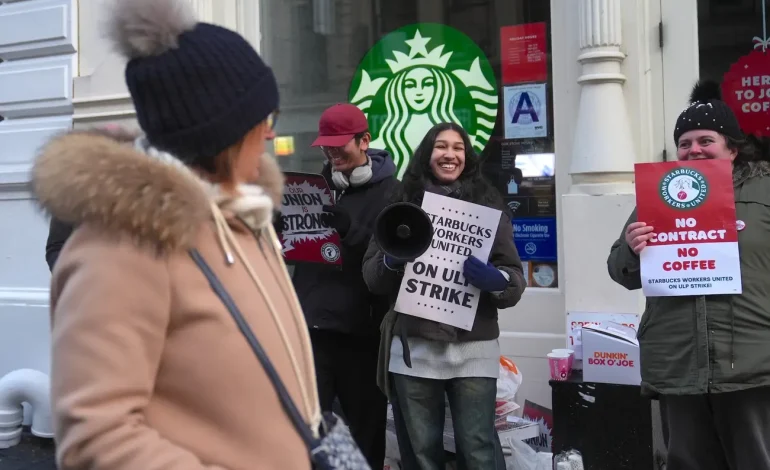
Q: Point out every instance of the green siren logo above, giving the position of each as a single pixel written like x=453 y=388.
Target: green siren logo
x=421 y=75
x=684 y=188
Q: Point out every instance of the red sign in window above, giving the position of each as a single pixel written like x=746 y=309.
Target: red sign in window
x=746 y=89
x=523 y=53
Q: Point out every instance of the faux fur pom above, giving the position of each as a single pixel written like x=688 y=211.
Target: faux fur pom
x=705 y=91
x=143 y=28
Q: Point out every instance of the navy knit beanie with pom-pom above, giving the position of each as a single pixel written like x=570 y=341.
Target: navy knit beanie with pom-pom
x=198 y=88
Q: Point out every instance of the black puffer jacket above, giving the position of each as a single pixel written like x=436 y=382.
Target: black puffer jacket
x=337 y=299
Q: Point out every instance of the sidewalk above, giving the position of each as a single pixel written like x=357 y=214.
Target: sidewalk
x=31 y=454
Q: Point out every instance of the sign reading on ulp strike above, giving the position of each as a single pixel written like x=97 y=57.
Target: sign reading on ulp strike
x=434 y=286
x=691 y=207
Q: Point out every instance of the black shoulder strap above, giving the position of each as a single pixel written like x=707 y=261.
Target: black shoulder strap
x=288 y=404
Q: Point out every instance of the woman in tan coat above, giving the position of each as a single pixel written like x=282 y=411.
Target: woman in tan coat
x=149 y=368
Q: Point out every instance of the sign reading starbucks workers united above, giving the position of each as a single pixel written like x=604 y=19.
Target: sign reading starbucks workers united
x=421 y=75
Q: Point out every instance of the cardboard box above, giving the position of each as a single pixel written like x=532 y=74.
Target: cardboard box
x=610 y=354
x=577 y=320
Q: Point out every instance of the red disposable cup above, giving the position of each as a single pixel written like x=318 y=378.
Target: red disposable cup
x=559 y=365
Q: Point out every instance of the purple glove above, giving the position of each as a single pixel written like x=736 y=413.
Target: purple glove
x=394 y=264
x=484 y=276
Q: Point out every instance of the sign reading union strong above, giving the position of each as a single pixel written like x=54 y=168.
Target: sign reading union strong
x=421 y=75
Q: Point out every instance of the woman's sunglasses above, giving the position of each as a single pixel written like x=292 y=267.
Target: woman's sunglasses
x=272 y=120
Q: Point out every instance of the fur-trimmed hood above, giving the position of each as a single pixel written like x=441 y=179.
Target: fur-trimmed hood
x=111 y=179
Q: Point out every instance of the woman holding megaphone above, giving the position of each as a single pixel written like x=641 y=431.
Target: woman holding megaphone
x=422 y=361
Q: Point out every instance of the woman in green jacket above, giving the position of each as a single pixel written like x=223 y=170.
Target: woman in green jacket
x=708 y=357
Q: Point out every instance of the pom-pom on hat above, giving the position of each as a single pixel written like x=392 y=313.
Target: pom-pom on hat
x=198 y=88
x=707 y=111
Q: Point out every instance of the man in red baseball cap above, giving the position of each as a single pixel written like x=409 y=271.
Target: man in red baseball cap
x=343 y=135
x=343 y=316
x=339 y=124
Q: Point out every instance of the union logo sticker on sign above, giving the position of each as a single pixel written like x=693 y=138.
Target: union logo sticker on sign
x=684 y=188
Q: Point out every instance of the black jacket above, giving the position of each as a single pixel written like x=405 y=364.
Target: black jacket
x=58 y=233
x=335 y=298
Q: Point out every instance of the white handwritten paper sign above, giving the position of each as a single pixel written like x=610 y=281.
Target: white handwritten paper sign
x=434 y=287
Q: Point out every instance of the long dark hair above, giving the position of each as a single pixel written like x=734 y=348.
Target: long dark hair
x=752 y=148
x=418 y=175
x=749 y=148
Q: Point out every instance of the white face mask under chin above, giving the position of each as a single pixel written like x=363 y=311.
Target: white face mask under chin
x=359 y=176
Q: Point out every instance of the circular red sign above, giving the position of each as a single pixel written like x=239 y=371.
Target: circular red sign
x=746 y=89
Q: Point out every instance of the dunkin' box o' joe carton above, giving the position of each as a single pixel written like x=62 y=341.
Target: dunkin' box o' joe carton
x=610 y=354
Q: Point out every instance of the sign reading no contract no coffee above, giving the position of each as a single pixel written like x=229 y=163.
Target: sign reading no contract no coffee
x=691 y=206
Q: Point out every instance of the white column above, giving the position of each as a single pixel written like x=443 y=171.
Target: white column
x=603 y=149
x=248 y=21
x=204 y=10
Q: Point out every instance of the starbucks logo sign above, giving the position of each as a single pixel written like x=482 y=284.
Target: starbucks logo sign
x=421 y=75
x=684 y=188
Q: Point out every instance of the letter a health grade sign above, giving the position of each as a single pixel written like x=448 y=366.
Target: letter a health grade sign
x=691 y=207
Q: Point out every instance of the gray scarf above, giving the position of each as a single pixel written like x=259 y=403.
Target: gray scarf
x=451 y=190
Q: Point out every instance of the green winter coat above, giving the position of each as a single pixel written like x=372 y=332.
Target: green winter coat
x=710 y=344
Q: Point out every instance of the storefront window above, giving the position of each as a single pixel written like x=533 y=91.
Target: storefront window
x=734 y=46
x=409 y=64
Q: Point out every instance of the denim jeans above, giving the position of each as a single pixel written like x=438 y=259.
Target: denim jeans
x=419 y=417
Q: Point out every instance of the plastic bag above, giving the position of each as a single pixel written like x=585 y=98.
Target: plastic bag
x=391 y=441
x=509 y=380
x=508 y=383
x=570 y=460
x=524 y=457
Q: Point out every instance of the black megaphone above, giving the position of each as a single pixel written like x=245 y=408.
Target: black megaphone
x=403 y=231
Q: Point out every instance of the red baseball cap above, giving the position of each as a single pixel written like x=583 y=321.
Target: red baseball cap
x=339 y=124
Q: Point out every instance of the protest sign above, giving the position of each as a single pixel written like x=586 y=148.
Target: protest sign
x=691 y=206
x=434 y=287
x=544 y=417
x=305 y=238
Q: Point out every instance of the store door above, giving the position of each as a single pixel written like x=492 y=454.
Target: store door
x=678 y=40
